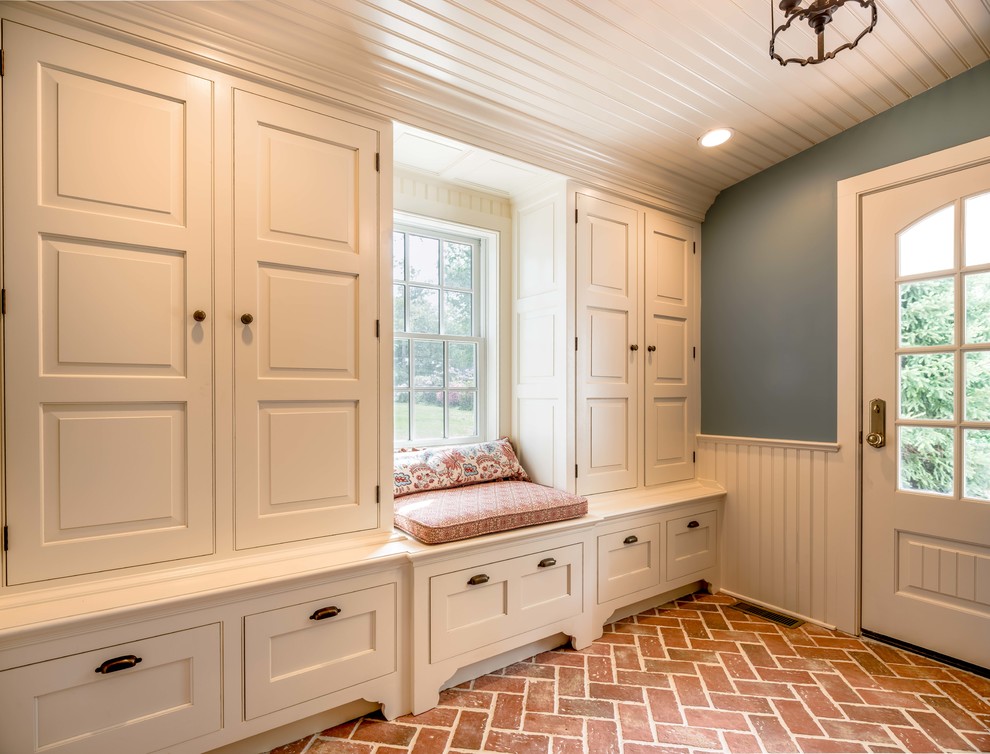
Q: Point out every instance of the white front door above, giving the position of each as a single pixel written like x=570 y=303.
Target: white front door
x=926 y=354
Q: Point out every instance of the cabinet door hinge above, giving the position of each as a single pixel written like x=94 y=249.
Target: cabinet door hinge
x=694 y=247
x=3 y=62
x=860 y=437
x=575 y=216
x=694 y=352
x=6 y=539
x=378 y=493
x=575 y=471
x=378 y=328
x=575 y=342
x=378 y=162
x=694 y=456
x=3 y=300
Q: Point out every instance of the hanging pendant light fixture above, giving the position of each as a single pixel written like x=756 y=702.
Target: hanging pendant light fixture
x=818 y=15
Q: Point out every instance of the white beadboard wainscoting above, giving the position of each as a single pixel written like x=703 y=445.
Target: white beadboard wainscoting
x=790 y=534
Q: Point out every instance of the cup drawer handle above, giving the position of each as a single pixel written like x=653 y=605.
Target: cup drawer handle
x=630 y=540
x=118 y=663
x=481 y=578
x=547 y=562
x=693 y=525
x=325 y=612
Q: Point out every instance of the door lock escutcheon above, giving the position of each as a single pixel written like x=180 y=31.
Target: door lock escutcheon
x=877 y=437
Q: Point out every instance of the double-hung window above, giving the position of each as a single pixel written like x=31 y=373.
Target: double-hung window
x=439 y=339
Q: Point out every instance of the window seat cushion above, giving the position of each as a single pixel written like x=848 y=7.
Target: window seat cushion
x=438 y=516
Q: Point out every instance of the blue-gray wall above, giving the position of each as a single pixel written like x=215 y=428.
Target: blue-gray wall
x=768 y=281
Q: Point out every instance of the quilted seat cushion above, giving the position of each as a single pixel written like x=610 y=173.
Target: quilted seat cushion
x=437 y=516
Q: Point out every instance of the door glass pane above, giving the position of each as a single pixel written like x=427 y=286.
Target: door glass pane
x=427 y=363
x=462 y=366
x=399 y=308
x=424 y=310
x=928 y=386
x=926 y=459
x=428 y=414
x=424 y=260
x=398 y=255
x=463 y=416
x=977 y=463
x=978 y=308
x=977 y=376
x=977 y=234
x=401 y=415
x=928 y=245
x=457 y=313
x=928 y=313
x=400 y=363
x=457 y=272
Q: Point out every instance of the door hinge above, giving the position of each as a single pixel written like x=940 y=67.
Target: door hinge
x=3 y=301
x=575 y=216
x=6 y=539
x=378 y=328
x=575 y=471
x=694 y=456
x=378 y=493
x=694 y=352
x=378 y=162
x=3 y=62
x=860 y=437
x=694 y=247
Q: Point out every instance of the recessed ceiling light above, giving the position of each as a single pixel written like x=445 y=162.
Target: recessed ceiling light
x=715 y=137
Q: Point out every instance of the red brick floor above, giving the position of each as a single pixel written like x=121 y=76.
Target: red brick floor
x=694 y=676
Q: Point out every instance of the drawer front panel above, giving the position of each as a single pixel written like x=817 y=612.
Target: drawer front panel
x=628 y=561
x=170 y=696
x=691 y=544
x=291 y=657
x=508 y=597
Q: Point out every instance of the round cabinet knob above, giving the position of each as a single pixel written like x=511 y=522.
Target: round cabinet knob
x=651 y=349
x=634 y=347
x=247 y=319
x=199 y=315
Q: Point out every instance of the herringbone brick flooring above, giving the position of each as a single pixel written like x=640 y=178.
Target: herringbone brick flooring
x=694 y=676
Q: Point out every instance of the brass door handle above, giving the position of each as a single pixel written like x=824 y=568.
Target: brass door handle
x=877 y=436
x=199 y=315
x=247 y=319
x=651 y=349
x=634 y=347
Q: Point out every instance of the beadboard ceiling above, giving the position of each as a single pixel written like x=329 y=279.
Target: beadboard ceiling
x=614 y=91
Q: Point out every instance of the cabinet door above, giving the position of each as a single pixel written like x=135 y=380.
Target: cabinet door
x=608 y=354
x=305 y=297
x=107 y=254
x=669 y=389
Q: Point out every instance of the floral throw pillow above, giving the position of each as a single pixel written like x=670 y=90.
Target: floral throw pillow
x=455 y=466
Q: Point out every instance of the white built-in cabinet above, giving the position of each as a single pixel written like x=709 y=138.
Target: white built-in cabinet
x=605 y=366
x=122 y=297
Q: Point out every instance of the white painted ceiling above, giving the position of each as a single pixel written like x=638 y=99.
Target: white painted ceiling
x=615 y=91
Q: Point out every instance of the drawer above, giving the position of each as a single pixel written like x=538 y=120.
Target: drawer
x=692 y=544
x=474 y=607
x=628 y=561
x=171 y=695
x=303 y=651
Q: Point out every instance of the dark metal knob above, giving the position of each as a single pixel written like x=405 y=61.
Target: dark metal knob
x=199 y=315
x=651 y=349
x=118 y=663
x=247 y=319
x=693 y=525
x=630 y=540
x=481 y=578
x=634 y=347
x=547 y=562
x=325 y=612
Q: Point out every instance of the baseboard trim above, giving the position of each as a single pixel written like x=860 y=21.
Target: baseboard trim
x=945 y=659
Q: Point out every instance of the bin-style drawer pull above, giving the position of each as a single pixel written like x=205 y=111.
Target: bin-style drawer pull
x=547 y=562
x=118 y=663
x=481 y=578
x=325 y=612
x=693 y=525
x=630 y=540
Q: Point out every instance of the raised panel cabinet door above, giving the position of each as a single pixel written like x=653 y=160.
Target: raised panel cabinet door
x=609 y=357
x=670 y=384
x=107 y=255
x=306 y=249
